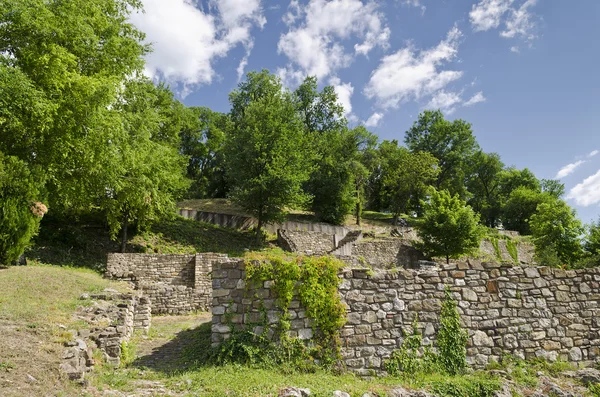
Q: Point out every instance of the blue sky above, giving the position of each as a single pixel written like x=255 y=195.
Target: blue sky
x=523 y=72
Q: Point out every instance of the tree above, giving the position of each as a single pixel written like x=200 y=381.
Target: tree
x=448 y=228
x=150 y=171
x=483 y=185
x=203 y=134
x=451 y=338
x=21 y=208
x=451 y=142
x=556 y=225
x=406 y=177
x=592 y=241
x=62 y=65
x=520 y=206
x=268 y=156
x=511 y=179
x=553 y=187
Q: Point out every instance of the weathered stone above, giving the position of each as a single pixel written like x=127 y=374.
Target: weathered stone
x=480 y=338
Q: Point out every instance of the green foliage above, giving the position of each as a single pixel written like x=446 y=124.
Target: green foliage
x=20 y=209
x=451 y=338
x=128 y=353
x=494 y=241
x=412 y=357
x=594 y=389
x=480 y=386
x=592 y=241
x=405 y=177
x=512 y=249
x=483 y=184
x=267 y=156
x=556 y=225
x=521 y=204
x=448 y=227
x=451 y=142
x=315 y=281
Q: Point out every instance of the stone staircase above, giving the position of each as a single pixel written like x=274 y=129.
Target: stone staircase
x=344 y=247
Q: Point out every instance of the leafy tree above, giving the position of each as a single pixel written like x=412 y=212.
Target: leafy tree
x=511 y=179
x=484 y=185
x=62 y=64
x=556 y=225
x=331 y=184
x=361 y=165
x=592 y=242
x=520 y=206
x=448 y=228
x=20 y=208
x=267 y=153
x=451 y=142
x=203 y=134
x=406 y=177
x=150 y=170
x=553 y=187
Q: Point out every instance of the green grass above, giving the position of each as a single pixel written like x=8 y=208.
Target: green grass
x=222 y=206
x=42 y=295
x=182 y=236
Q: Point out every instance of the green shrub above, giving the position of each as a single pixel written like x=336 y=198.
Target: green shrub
x=412 y=357
x=451 y=338
x=20 y=208
x=471 y=386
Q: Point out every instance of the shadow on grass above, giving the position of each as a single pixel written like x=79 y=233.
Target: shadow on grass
x=181 y=234
x=187 y=350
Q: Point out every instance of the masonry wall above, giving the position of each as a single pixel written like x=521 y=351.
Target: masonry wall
x=387 y=253
x=175 y=284
x=311 y=243
x=525 y=311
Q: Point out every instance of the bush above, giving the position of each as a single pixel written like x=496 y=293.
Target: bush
x=20 y=210
x=451 y=338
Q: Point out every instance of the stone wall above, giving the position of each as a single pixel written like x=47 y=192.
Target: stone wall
x=304 y=242
x=525 y=311
x=387 y=253
x=176 y=284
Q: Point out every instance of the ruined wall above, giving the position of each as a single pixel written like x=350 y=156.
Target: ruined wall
x=387 y=253
x=525 y=311
x=176 y=284
x=304 y=242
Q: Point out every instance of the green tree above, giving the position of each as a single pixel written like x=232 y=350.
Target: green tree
x=484 y=186
x=150 y=171
x=511 y=179
x=449 y=228
x=553 y=187
x=592 y=241
x=268 y=155
x=522 y=203
x=203 y=134
x=555 y=224
x=62 y=64
x=451 y=142
x=20 y=207
x=406 y=177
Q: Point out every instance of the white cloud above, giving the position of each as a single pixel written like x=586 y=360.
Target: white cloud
x=344 y=93
x=445 y=101
x=587 y=192
x=414 y=3
x=187 y=40
x=477 y=98
x=519 y=22
x=593 y=153
x=407 y=75
x=315 y=44
x=515 y=49
x=374 y=119
x=568 y=169
x=487 y=14
x=244 y=62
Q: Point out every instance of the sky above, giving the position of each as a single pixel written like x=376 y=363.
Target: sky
x=524 y=73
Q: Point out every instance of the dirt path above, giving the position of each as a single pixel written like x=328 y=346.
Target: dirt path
x=169 y=335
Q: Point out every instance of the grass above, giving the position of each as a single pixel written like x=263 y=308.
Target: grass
x=220 y=205
x=40 y=295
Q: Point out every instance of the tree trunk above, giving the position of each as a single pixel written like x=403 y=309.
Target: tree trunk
x=358 y=208
x=124 y=233
x=259 y=225
x=447 y=260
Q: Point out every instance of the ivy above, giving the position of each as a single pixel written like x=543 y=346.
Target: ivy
x=315 y=281
x=511 y=246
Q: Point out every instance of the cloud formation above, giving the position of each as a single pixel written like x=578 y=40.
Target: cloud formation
x=568 y=169
x=374 y=119
x=409 y=74
x=186 y=40
x=593 y=153
x=477 y=98
x=344 y=93
x=587 y=192
x=316 y=43
x=445 y=101
x=519 y=21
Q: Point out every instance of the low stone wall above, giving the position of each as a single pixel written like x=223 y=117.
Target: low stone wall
x=123 y=312
x=524 y=311
x=311 y=243
x=176 y=284
x=386 y=253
